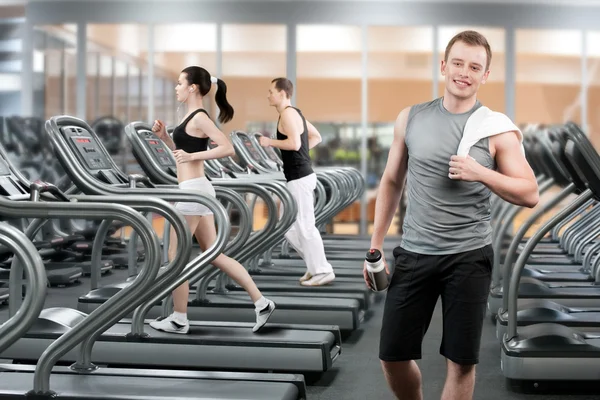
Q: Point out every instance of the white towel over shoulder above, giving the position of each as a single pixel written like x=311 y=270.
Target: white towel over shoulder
x=485 y=123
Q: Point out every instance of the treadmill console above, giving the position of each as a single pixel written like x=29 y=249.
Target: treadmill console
x=272 y=155
x=250 y=147
x=86 y=148
x=159 y=152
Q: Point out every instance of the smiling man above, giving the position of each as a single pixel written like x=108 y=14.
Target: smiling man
x=446 y=244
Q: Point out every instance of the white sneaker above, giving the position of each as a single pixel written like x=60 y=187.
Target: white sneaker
x=262 y=316
x=169 y=324
x=320 y=279
x=306 y=277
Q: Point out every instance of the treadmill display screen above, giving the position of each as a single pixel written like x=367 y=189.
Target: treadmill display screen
x=159 y=153
x=250 y=147
x=271 y=153
x=89 y=151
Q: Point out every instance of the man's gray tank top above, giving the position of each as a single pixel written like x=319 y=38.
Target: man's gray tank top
x=443 y=216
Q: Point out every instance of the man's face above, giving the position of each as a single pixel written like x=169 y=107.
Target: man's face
x=465 y=70
x=275 y=96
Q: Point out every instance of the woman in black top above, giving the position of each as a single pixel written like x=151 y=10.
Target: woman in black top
x=189 y=145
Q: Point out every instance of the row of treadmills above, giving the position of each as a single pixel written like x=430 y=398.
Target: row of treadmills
x=545 y=292
x=104 y=347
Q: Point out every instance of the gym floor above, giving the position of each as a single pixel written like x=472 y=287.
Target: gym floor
x=357 y=374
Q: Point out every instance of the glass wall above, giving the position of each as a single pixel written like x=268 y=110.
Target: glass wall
x=329 y=73
x=117 y=72
x=175 y=48
x=548 y=76
x=253 y=55
x=328 y=85
x=120 y=106
x=491 y=94
x=105 y=85
x=399 y=75
x=593 y=87
x=54 y=54
x=92 y=87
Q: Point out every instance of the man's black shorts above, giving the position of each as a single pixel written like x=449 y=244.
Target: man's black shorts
x=462 y=280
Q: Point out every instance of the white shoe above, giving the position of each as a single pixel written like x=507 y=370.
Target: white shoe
x=262 y=316
x=306 y=277
x=169 y=324
x=320 y=279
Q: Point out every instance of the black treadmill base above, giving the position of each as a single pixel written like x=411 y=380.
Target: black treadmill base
x=553 y=387
x=113 y=384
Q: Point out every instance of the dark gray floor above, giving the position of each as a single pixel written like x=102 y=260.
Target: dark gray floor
x=357 y=374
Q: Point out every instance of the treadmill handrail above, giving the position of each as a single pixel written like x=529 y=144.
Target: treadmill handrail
x=263 y=152
x=115 y=305
x=331 y=208
x=573 y=232
x=173 y=269
x=93 y=186
x=245 y=155
x=136 y=138
x=35 y=296
x=505 y=222
x=589 y=235
x=513 y=289
x=516 y=241
x=243 y=237
x=131 y=131
x=194 y=274
x=273 y=231
x=150 y=165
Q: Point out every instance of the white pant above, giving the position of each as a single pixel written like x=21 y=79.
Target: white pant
x=304 y=236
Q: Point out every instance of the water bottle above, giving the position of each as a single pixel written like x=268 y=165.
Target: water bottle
x=376 y=270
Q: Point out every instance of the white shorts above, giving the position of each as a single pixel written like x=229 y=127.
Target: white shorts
x=201 y=185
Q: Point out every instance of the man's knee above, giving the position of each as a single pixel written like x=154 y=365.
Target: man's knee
x=460 y=370
x=397 y=369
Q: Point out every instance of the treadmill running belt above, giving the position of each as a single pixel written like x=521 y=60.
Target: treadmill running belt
x=15 y=385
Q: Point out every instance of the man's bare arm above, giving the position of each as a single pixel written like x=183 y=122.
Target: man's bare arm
x=314 y=137
x=392 y=182
x=514 y=181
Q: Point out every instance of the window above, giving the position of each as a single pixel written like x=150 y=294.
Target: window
x=548 y=76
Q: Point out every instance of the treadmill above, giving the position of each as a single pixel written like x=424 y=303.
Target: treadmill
x=532 y=311
x=210 y=345
x=273 y=154
x=94 y=172
x=551 y=351
x=338 y=182
x=156 y=162
x=568 y=293
x=47 y=381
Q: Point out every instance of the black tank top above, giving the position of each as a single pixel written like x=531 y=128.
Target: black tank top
x=296 y=164
x=188 y=143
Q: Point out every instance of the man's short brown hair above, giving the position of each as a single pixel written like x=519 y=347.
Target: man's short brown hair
x=284 y=84
x=471 y=38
